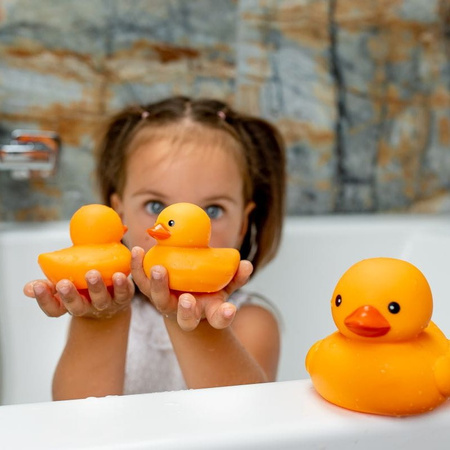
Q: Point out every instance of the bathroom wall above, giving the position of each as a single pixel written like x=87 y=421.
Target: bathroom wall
x=360 y=90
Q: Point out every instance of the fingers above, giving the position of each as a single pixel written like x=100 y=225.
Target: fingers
x=28 y=289
x=123 y=289
x=137 y=271
x=186 y=309
x=106 y=301
x=188 y=314
x=98 y=293
x=241 y=277
x=103 y=297
x=100 y=301
x=45 y=297
x=154 y=285
x=220 y=315
x=75 y=304
x=161 y=297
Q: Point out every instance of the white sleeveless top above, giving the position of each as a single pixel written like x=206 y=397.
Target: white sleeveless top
x=151 y=364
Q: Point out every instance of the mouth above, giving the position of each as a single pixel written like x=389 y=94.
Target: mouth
x=367 y=321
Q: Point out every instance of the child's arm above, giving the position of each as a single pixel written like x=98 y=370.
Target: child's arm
x=209 y=350
x=209 y=357
x=93 y=360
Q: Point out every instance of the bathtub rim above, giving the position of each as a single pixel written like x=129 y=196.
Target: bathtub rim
x=287 y=414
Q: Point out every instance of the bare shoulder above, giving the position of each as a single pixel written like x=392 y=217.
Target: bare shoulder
x=255 y=315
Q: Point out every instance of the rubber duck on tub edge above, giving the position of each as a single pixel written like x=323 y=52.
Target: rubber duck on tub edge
x=96 y=232
x=182 y=232
x=387 y=357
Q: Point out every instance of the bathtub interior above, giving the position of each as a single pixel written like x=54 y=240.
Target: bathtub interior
x=315 y=252
x=30 y=342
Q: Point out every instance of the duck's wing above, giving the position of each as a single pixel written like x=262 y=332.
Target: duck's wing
x=309 y=360
x=442 y=374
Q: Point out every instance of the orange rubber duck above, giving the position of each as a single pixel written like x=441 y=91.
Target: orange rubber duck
x=95 y=231
x=182 y=232
x=387 y=357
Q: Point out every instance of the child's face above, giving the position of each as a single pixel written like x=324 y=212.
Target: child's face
x=159 y=175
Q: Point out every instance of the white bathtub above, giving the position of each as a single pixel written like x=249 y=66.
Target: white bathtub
x=30 y=342
x=317 y=250
x=288 y=414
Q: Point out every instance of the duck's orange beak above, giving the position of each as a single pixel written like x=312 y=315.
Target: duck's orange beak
x=367 y=321
x=159 y=232
x=125 y=229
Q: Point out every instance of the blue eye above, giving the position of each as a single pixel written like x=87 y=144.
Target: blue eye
x=154 y=207
x=214 y=212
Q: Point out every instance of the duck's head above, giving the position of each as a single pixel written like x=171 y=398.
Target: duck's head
x=182 y=225
x=96 y=224
x=382 y=299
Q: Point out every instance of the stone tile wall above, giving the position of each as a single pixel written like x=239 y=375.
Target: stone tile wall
x=360 y=90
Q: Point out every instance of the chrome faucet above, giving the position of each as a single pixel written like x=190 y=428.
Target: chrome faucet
x=31 y=153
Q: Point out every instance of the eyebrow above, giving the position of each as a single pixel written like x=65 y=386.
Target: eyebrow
x=219 y=198
x=150 y=192
x=163 y=197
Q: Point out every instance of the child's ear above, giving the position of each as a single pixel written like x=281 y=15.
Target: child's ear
x=116 y=204
x=247 y=210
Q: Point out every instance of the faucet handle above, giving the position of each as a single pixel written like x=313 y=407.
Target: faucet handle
x=50 y=139
x=31 y=151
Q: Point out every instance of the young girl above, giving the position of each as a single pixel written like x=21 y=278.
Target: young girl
x=144 y=337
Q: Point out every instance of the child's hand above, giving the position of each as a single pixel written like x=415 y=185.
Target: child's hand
x=186 y=308
x=64 y=297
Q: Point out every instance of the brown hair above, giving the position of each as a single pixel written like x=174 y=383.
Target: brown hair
x=263 y=152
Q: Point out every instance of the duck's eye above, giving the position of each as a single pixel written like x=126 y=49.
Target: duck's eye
x=171 y=223
x=338 y=300
x=394 y=307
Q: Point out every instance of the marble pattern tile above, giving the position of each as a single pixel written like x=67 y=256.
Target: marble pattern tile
x=360 y=90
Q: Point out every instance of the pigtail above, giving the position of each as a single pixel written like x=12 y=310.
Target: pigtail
x=266 y=163
x=110 y=152
x=264 y=153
